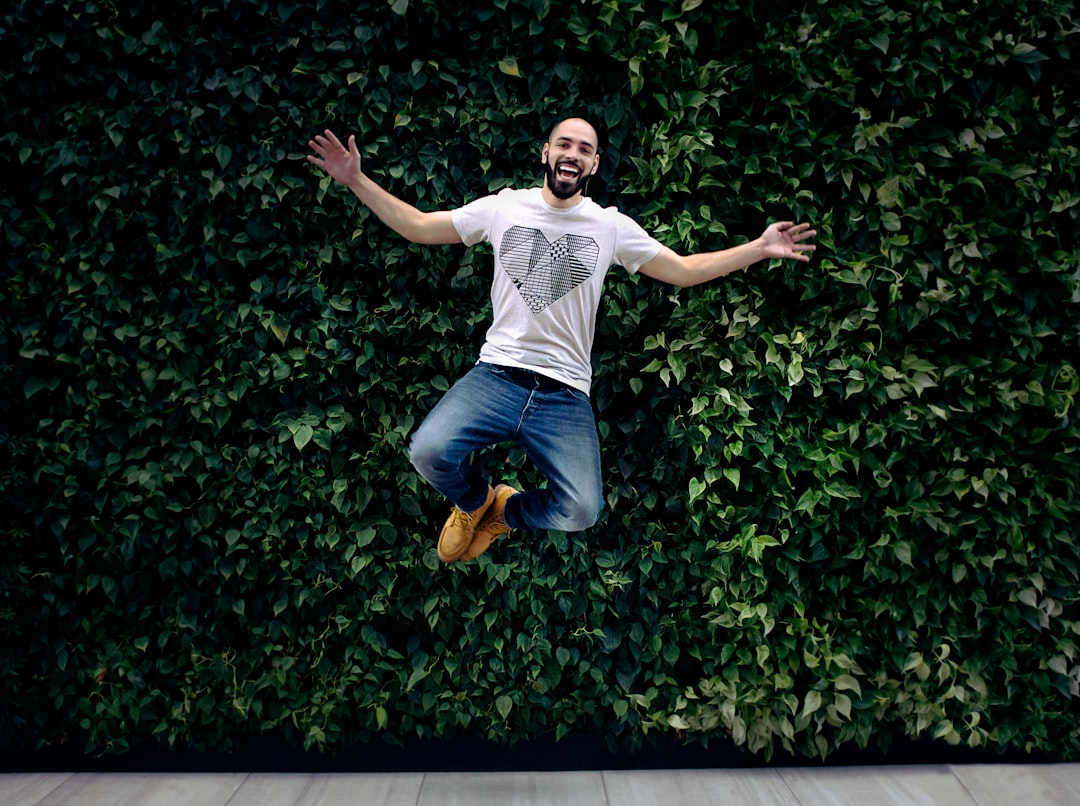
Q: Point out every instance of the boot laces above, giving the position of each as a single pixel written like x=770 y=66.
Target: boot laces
x=462 y=519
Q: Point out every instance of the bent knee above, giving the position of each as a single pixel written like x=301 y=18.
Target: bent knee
x=581 y=515
x=425 y=455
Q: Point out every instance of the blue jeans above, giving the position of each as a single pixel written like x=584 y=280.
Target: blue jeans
x=552 y=422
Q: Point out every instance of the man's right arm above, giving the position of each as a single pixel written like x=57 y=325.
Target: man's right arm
x=343 y=165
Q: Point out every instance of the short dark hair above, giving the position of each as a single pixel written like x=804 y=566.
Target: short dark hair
x=576 y=116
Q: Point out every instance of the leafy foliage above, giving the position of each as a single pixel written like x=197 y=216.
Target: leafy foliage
x=841 y=498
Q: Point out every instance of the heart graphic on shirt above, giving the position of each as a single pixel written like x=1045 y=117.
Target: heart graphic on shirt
x=543 y=271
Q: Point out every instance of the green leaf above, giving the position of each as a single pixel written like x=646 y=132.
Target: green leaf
x=795 y=372
x=846 y=682
x=902 y=550
x=303 y=436
x=678 y=722
x=509 y=66
x=280 y=328
x=734 y=475
x=415 y=677
x=1027 y=53
x=811 y=704
x=843 y=705
x=280 y=604
x=31 y=386
x=888 y=192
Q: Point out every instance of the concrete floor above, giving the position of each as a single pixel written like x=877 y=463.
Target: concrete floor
x=935 y=785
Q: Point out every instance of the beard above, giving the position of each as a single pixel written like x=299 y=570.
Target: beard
x=564 y=188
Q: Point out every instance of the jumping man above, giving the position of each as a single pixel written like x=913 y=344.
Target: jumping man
x=553 y=246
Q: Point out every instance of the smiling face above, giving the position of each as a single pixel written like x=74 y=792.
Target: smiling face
x=570 y=157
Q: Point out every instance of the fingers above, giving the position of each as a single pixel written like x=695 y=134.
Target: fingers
x=796 y=233
x=319 y=145
x=327 y=141
x=795 y=229
x=327 y=138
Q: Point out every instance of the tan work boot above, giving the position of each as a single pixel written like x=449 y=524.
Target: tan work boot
x=457 y=532
x=491 y=525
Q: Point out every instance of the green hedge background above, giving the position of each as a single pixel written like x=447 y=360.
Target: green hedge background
x=842 y=498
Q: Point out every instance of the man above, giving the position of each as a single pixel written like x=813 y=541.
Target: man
x=553 y=246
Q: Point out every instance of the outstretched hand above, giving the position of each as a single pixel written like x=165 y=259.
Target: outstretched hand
x=788 y=240
x=341 y=163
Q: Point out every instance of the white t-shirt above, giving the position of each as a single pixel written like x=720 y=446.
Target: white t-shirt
x=550 y=264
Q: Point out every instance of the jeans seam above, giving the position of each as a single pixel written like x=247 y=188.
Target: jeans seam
x=524 y=413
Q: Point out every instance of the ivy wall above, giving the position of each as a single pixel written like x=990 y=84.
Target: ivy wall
x=842 y=498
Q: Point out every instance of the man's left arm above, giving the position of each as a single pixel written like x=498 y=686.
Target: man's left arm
x=784 y=239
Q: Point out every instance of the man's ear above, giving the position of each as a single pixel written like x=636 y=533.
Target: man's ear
x=543 y=154
x=595 y=165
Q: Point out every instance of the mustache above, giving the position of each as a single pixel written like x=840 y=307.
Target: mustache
x=564 y=188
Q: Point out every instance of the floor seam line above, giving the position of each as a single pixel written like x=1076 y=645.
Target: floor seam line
x=420 y=791
x=787 y=785
x=959 y=780
x=239 y=786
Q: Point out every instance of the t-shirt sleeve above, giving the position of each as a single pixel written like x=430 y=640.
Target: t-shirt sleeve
x=474 y=220
x=634 y=246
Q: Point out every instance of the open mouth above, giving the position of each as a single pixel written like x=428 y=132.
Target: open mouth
x=567 y=171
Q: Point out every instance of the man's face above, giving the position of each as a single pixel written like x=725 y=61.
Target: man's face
x=570 y=158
